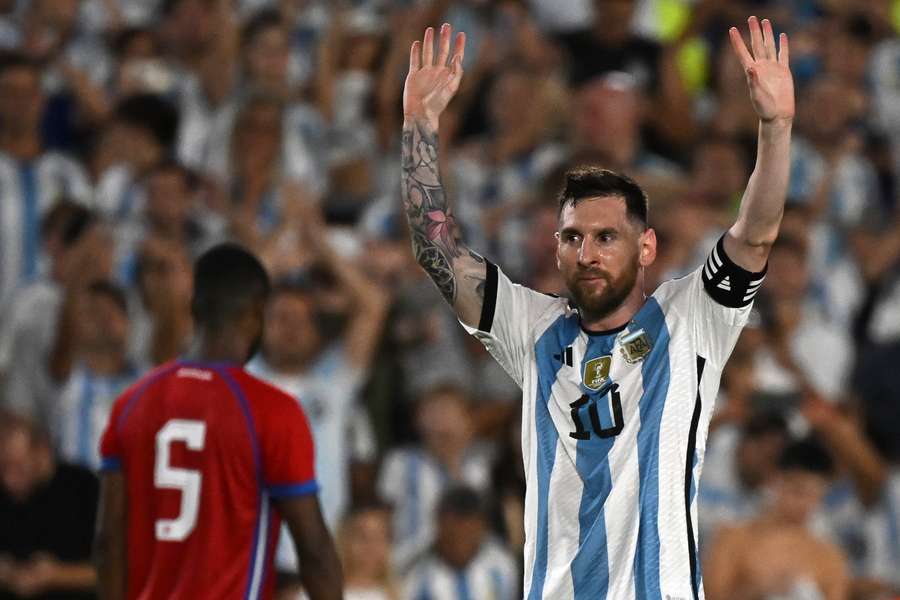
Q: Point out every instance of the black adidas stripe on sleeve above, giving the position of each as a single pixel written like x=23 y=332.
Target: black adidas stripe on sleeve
x=727 y=283
x=490 y=298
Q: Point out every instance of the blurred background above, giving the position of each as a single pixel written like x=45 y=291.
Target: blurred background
x=134 y=134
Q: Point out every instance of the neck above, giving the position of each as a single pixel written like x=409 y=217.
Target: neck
x=287 y=365
x=21 y=144
x=219 y=347
x=170 y=230
x=621 y=315
x=360 y=579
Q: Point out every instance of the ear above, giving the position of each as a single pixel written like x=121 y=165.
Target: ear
x=558 y=263
x=647 y=252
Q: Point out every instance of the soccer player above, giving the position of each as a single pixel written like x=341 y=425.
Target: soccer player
x=201 y=461
x=617 y=388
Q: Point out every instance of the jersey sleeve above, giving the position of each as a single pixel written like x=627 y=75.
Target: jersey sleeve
x=287 y=450
x=717 y=298
x=508 y=317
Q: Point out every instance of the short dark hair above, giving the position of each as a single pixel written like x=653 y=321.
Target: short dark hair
x=595 y=182
x=807 y=455
x=152 y=113
x=764 y=423
x=109 y=290
x=227 y=280
x=462 y=501
x=16 y=60
x=792 y=244
x=263 y=20
x=170 y=165
x=68 y=218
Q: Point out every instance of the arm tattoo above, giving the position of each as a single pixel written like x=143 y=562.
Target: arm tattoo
x=435 y=234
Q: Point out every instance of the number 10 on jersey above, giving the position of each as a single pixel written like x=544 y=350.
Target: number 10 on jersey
x=582 y=433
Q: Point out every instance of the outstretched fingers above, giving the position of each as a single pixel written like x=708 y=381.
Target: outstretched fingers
x=740 y=48
x=444 y=44
x=784 y=53
x=415 y=56
x=769 y=39
x=459 y=47
x=428 y=48
x=757 y=44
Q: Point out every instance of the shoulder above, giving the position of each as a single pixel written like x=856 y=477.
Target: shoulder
x=56 y=159
x=257 y=391
x=495 y=554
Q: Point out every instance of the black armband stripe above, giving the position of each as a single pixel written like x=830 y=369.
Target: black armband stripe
x=728 y=283
x=490 y=298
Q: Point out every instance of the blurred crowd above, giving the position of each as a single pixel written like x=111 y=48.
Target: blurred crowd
x=135 y=134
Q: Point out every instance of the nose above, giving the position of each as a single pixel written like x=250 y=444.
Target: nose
x=588 y=253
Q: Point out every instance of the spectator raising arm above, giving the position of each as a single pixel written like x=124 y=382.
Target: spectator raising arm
x=369 y=301
x=458 y=272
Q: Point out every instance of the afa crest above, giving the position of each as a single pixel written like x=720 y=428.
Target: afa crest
x=596 y=372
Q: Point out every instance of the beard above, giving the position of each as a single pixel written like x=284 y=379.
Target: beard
x=599 y=304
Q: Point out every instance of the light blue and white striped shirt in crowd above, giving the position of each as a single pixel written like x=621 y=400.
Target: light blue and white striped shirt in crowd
x=614 y=429
x=491 y=575
x=412 y=481
x=82 y=413
x=27 y=191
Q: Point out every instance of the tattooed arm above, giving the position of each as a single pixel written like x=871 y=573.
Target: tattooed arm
x=458 y=272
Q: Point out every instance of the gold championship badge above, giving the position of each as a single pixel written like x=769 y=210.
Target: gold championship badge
x=596 y=372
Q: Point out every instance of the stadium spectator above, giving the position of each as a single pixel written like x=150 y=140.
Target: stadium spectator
x=325 y=370
x=80 y=250
x=741 y=460
x=805 y=349
x=47 y=512
x=606 y=128
x=414 y=478
x=495 y=174
x=139 y=136
x=465 y=561
x=160 y=306
x=90 y=365
x=775 y=554
x=364 y=542
x=837 y=182
x=610 y=44
x=31 y=177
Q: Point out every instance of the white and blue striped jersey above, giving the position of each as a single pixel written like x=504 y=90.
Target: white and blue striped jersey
x=882 y=534
x=27 y=191
x=491 y=575
x=614 y=429
x=82 y=412
x=412 y=481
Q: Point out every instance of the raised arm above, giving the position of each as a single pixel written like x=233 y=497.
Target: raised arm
x=458 y=272
x=772 y=93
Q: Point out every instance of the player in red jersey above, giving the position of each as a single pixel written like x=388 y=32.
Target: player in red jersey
x=201 y=462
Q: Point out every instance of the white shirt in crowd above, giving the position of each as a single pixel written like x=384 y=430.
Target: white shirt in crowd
x=491 y=574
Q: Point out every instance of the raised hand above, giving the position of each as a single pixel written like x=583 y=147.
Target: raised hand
x=768 y=75
x=432 y=81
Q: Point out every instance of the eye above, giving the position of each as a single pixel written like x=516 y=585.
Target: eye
x=571 y=238
x=607 y=237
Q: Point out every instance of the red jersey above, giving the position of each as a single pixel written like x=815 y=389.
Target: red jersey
x=204 y=448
